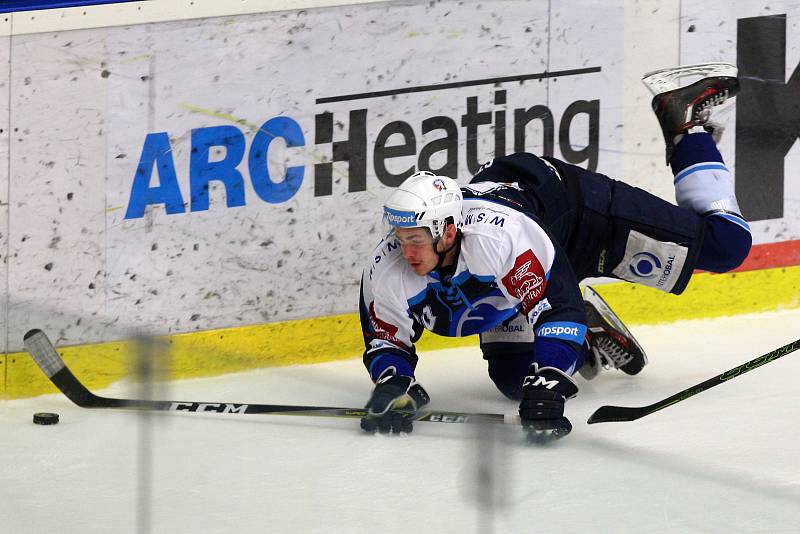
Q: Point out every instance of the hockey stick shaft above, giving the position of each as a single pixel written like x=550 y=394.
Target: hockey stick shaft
x=606 y=414
x=48 y=360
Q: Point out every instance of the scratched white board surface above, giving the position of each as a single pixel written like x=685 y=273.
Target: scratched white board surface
x=186 y=102
x=763 y=39
x=57 y=240
x=4 y=222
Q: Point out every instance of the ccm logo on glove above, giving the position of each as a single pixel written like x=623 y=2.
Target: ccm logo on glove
x=535 y=381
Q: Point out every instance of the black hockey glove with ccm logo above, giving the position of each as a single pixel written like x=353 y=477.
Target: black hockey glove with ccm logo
x=544 y=392
x=393 y=404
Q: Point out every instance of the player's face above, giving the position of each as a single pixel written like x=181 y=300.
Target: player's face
x=417 y=247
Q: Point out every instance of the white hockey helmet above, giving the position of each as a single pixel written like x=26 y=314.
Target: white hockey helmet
x=424 y=200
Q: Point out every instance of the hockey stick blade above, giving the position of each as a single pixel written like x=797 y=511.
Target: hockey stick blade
x=608 y=414
x=49 y=361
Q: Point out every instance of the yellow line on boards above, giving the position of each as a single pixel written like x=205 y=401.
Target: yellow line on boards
x=307 y=341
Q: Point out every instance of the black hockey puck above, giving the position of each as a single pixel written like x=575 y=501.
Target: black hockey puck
x=44 y=418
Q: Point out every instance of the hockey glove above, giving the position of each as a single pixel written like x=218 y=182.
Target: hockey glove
x=393 y=404
x=544 y=392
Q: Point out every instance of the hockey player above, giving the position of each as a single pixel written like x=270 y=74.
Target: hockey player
x=503 y=256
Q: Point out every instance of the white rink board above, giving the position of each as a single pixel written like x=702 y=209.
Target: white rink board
x=5 y=43
x=709 y=33
x=86 y=100
x=83 y=102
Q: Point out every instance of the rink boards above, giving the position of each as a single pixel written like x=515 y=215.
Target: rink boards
x=237 y=349
x=214 y=177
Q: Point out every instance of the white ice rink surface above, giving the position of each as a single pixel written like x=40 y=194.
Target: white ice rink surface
x=724 y=461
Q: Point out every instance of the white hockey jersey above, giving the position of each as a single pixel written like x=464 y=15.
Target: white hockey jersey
x=504 y=268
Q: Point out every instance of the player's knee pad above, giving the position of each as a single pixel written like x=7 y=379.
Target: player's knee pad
x=509 y=349
x=508 y=372
x=726 y=243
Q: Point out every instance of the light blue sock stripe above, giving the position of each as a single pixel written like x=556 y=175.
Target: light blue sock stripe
x=699 y=167
x=733 y=218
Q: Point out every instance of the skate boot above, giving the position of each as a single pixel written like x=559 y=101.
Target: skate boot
x=611 y=345
x=680 y=108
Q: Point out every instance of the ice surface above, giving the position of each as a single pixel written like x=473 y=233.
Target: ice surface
x=726 y=460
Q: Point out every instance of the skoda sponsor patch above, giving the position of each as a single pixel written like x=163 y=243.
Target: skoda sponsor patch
x=542 y=306
x=526 y=280
x=650 y=262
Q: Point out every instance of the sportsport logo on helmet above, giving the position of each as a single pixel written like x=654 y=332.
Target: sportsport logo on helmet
x=399 y=218
x=439 y=184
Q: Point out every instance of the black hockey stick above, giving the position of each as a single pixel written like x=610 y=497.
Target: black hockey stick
x=46 y=357
x=606 y=414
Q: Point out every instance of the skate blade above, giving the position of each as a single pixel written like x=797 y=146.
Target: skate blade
x=665 y=80
x=591 y=368
x=593 y=297
x=543 y=437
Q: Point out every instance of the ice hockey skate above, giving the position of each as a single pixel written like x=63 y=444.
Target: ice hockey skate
x=611 y=345
x=679 y=109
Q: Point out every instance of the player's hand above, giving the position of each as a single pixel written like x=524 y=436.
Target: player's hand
x=541 y=409
x=393 y=404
